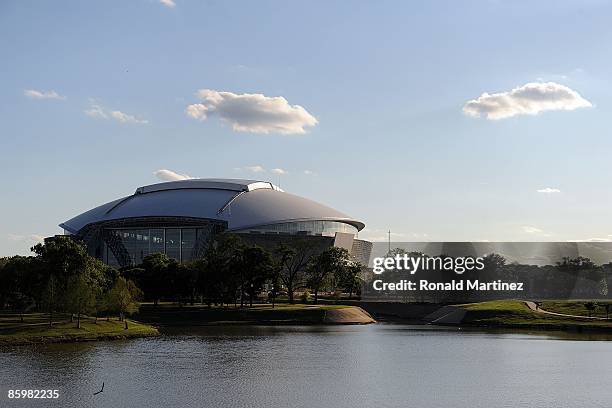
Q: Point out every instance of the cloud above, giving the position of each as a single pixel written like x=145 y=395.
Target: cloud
x=196 y=111
x=279 y=171
x=255 y=169
x=168 y=3
x=99 y=112
x=529 y=99
x=169 y=175
x=549 y=190
x=309 y=172
x=531 y=230
x=26 y=238
x=255 y=113
x=34 y=94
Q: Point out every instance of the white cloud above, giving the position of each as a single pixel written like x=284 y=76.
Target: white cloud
x=278 y=170
x=531 y=230
x=309 y=172
x=255 y=169
x=27 y=238
x=125 y=118
x=99 y=112
x=96 y=111
x=548 y=190
x=254 y=113
x=168 y=3
x=196 y=111
x=529 y=99
x=169 y=175
x=35 y=94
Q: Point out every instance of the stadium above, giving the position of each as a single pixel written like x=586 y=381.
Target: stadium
x=181 y=219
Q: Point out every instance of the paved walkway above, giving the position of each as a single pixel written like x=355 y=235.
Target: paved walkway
x=535 y=308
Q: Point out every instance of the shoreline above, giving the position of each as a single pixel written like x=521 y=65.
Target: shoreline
x=515 y=314
x=152 y=320
x=66 y=332
x=282 y=314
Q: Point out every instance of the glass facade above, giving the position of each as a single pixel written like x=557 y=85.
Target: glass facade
x=325 y=228
x=177 y=243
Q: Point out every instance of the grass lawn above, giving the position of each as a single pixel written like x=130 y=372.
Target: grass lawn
x=574 y=307
x=514 y=313
x=172 y=314
x=12 y=332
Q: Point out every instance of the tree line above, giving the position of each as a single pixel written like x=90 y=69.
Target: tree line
x=61 y=278
x=571 y=277
x=232 y=272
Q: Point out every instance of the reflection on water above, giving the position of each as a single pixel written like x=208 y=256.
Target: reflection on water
x=314 y=366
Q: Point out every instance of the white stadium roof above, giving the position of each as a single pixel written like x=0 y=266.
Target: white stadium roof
x=241 y=203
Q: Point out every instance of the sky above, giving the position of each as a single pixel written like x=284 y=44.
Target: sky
x=437 y=120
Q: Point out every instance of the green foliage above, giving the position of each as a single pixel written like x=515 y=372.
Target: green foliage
x=254 y=266
x=332 y=261
x=63 y=278
x=154 y=280
x=60 y=278
x=577 y=263
x=350 y=278
x=123 y=298
x=494 y=261
x=80 y=296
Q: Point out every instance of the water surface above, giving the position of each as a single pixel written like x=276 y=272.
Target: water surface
x=380 y=365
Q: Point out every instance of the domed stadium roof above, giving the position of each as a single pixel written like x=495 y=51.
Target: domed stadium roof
x=241 y=203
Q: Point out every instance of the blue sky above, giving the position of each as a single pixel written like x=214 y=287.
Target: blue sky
x=386 y=83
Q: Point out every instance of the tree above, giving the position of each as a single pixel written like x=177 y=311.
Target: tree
x=577 y=263
x=6 y=282
x=218 y=275
x=293 y=262
x=80 y=296
x=31 y=278
x=123 y=298
x=13 y=283
x=255 y=267
x=275 y=281
x=11 y=272
x=185 y=281
x=204 y=279
x=349 y=277
x=493 y=262
x=61 y=258
x=155 y=281
x=83 y=289
x=333 y=260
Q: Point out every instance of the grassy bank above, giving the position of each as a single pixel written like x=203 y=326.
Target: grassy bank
x=514 y=313
x=576 y=307
x=172 y=315
x=35 y=329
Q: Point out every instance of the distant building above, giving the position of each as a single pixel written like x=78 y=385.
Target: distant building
x=180 y=218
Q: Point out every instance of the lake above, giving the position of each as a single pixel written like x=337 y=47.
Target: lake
x=380 y=365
